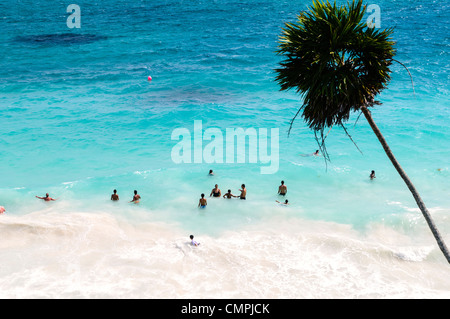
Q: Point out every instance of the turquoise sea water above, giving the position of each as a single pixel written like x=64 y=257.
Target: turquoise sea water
x=78 y=118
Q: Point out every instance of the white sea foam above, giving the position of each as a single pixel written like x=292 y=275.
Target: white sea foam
x=100 y=255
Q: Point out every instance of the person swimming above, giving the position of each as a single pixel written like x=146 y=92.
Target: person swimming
x=193 y=242
x=243 y=192
x=286 y=202
x=211 y=173
x=114 y=196
x=228 y=195
x=282 y=189
x=316 y=153
x=136 y=198
x=215 y=191
x=202 y=202
x=372 y=175
x=47 y=198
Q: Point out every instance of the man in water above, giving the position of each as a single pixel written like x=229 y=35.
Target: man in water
x=47 y=198
x=285 y=202
x=372 y=175
x=228 y=195
x=114 y=196
x=215 y=191
x=243 y=192
x=316 y=153
x=211 y=172
x=282 y=189
x=136 y=198
x=193 y=242
x=202 y=202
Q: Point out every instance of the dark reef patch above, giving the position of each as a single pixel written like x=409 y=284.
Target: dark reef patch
x=60 y=38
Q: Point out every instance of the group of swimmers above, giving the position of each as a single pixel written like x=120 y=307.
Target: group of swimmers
x=136 y=197
x=114 y=197
x=215 y=192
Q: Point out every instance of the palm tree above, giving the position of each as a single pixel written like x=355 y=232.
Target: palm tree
x=339 y=65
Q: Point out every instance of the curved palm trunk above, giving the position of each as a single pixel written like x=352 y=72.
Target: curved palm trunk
x=406 y=179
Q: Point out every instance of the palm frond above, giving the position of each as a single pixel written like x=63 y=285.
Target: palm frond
x=334 y=61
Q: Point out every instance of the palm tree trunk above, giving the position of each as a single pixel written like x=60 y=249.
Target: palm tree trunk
x=410 y=185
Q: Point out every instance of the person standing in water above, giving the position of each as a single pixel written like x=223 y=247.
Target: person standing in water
x=202 y=202
x=243 y=192
x=372 y=175
x=114 y=196
x=215 y=191
x=282 y=189
x=136 y=198
x=47 y=198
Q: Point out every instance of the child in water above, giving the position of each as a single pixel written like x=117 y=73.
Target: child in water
x=193 y=242
x=228 y=195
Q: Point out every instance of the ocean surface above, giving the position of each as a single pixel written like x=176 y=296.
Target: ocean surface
x=80 y=118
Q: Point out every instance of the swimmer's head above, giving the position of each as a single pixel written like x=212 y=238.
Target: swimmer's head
x=202 y=195
x=210 y=171
x=229 y=191
x=282 y=182
x=191 y=236
x=243 y=185
x=216 y=186
x=286 y=201
x=47 y=195
x=135 y=192
x=114 y=191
